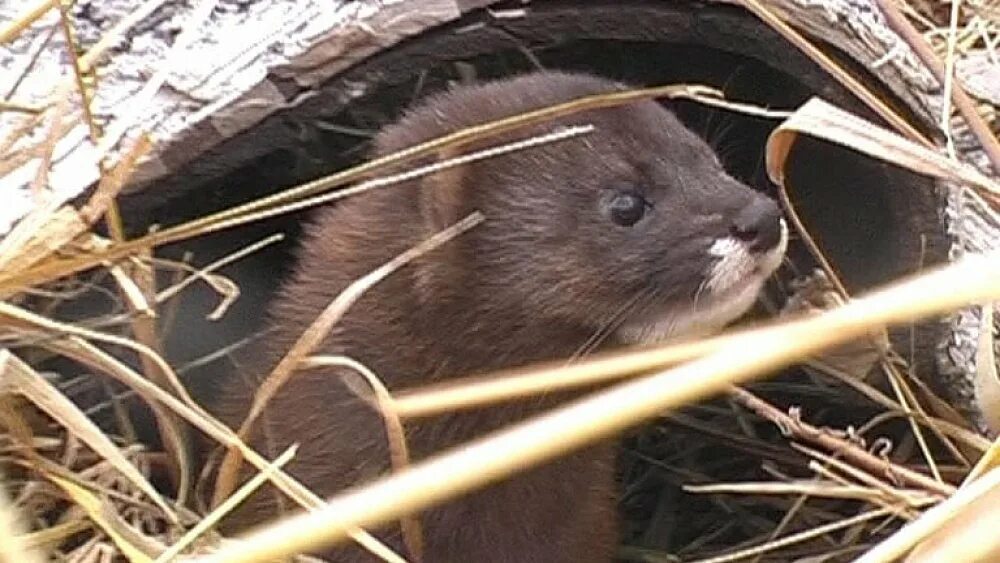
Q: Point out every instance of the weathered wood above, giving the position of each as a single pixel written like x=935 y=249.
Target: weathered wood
x=248 y=61
x=243 y=62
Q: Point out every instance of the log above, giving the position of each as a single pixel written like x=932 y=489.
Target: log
x=235 y=80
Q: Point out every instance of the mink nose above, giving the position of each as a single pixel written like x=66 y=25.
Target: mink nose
x=758 y=224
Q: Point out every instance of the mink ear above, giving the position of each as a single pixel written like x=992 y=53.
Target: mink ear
x=441 y=199
x=442 y=204
x=439 y=195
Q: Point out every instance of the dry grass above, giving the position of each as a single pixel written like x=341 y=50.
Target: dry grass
x=86 y=492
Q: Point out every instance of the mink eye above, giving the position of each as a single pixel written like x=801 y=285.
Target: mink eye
x=627 y=208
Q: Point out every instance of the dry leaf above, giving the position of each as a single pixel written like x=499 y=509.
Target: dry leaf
x=987 y=392
x=819 y=119
x=814 y=293
x=987 y=382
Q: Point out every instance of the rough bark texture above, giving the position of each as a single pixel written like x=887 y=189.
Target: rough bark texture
x=226 y=65
x=242 y=62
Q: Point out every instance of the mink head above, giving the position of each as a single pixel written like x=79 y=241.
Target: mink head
x=633 y=228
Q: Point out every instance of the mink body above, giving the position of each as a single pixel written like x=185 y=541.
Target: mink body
x=555 y=265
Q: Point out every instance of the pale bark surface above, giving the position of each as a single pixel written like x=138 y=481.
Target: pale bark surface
x=225 y=65
x=234 y=61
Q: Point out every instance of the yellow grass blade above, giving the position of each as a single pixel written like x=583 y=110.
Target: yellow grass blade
x=119 y=531
x=315 y=334
x=15 y=546
x=19 y=377
x=206 y=523
x=968 y=498
x=23 y=21
x=970 y=537
x=971 y=280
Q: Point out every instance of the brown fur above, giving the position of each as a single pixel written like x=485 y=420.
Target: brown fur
x=535 y=281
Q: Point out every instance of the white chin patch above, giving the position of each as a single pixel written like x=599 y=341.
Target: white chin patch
x=731 y=286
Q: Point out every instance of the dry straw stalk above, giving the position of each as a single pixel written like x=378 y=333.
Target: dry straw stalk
x=974 y=279
x=572 y=426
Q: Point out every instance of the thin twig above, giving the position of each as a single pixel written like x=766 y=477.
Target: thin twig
x=256 y=211
x=314 y=335
x=898 y=23
x=799 y=537
x=843 y=448
x=559 y=432
x=914 y=532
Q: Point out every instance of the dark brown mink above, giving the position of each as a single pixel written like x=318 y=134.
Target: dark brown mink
x=631 y=233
